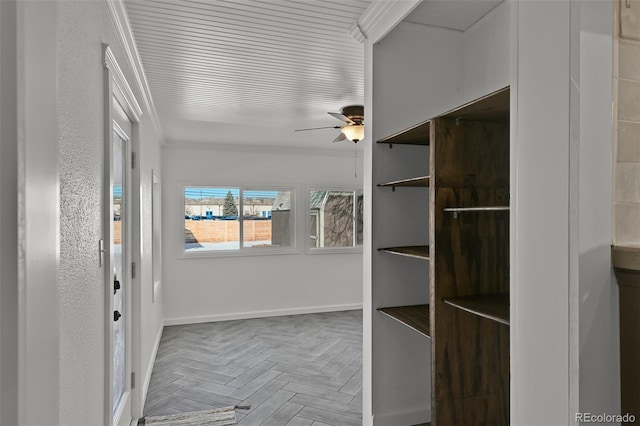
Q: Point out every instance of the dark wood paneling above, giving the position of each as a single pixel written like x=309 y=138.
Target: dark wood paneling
x=470 y=257
x=490 y=408
x=492 y=306
x=629 y=286
x=626 y=257
x=471 y=154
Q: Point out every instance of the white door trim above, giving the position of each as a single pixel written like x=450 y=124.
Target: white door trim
x=116 y=86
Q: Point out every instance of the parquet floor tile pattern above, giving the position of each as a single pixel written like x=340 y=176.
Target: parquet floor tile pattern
x=298 y=370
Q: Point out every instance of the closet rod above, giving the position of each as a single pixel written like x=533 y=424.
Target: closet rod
x=476 y=209
x=456 y=210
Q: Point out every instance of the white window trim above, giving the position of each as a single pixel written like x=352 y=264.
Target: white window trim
x=307 y=220
x=242 y=251
x=156 y=234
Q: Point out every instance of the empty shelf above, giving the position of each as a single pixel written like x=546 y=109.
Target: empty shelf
x=492 y=107
x=421 y=181
x=416 y=317
x=420 y=252
x=492 y=306
x=416 y=135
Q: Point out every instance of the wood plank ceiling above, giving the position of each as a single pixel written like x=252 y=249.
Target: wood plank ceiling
x=250 y=71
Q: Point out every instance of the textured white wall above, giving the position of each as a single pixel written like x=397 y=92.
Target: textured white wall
x=82 y=28
x=207 y=289
x=81 y=164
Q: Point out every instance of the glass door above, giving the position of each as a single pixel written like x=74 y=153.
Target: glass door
x=120 y=249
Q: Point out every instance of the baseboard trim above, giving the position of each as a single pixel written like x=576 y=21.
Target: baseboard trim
x=261 y=314
x=412 y=417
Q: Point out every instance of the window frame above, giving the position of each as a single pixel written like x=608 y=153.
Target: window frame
x=356 y=248
x=242 y=250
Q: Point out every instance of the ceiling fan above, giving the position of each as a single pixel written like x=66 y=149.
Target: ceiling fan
x=353 y=130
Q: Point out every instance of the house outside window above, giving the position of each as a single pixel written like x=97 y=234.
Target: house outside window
x=231 y=220
x=335 y=219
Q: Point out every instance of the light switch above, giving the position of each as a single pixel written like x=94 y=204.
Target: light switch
x=630 y=19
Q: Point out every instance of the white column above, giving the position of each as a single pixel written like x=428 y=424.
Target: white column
x=540 y=221
x=38 y=214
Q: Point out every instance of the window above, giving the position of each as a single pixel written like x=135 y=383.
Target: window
x=335 y=219
x=213 y=221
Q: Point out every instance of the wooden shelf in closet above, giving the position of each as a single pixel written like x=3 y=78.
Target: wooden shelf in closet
x=416 y=317
x=469 y=279
x=416 y=135
x=420 y=252
x=492 y=306
x=493 y=107
x=416 y=182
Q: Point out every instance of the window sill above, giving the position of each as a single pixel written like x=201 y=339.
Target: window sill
x=247 y=252
x=335 y=250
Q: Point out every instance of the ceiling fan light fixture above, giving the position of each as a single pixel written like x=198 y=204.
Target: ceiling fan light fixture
x=353 y=132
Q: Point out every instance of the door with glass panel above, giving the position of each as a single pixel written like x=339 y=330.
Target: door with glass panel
x=119 y=282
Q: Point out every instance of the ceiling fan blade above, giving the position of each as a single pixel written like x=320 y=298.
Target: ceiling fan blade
x=339 y=138
x=317 y=128
x=341 y=117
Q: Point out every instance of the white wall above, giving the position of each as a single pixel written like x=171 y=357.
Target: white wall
x=28 y=230
x=418 y=72
x=487 y=46
x=218 y=288
x=8 y=216
x=38 y=226
x=408 y=87
x=82 y=27
x=540 y=389
x=567 y=359
x=599 y=340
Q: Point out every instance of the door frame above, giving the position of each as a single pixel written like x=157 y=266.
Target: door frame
x=116 y=87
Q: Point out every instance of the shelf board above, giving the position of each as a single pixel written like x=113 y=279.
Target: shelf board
x=492 y=306
x=416 y=317
x=416 y=135
x=417 y=182
x=492 y=107
x=420 y=252
x=626 y=257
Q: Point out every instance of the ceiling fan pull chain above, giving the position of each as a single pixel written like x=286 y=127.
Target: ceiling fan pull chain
x=355 y=162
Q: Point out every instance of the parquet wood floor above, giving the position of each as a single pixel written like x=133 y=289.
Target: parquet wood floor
x=299 y=370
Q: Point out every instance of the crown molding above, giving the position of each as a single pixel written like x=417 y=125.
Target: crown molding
x=381 y=17
x=123 y=29
x=128 y=97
